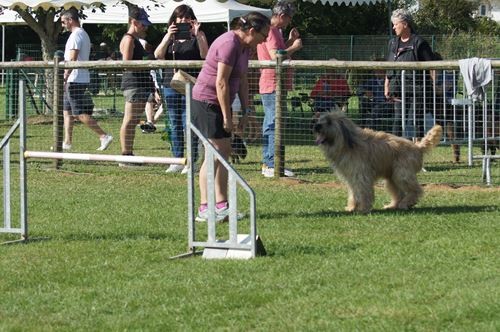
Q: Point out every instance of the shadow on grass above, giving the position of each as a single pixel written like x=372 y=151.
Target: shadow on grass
x=301 y=249
x=107 y=237
x=448 y=167
x=415 y=211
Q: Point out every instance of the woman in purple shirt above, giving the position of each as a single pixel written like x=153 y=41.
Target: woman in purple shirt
x=223 y=76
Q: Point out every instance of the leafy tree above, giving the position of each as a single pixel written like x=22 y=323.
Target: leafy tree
x=48 y=28
x=445 y=16
x=45 y=25
x=487 y=26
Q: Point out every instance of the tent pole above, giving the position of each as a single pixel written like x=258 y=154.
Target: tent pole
x=3 y=51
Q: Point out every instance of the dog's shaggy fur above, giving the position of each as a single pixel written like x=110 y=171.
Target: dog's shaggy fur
x=361 y=156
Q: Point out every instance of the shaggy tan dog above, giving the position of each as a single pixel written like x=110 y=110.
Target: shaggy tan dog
x=361 y=156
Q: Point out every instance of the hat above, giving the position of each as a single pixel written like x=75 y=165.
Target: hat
x=139 y=14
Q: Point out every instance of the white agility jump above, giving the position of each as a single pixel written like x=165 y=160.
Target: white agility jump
x=236 y=246
x=105 y=157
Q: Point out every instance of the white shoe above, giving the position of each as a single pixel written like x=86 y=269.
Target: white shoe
x=221 y=215
x=66 y=147
x=174 y=169
x=268 y=172
x=105 y=142
x=185 y=170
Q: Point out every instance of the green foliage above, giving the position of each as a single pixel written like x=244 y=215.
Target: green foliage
x=487 y=26
x=465 y=45
x=445 y=16
x=318 y=19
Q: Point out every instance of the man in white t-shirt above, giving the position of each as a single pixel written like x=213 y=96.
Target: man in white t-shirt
x=77 y=100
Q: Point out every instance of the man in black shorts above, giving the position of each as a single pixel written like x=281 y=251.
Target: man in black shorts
x=77 y=101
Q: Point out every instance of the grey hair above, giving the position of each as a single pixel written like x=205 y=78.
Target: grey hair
x=284 y=8
x=71 y=13
x=402 y=15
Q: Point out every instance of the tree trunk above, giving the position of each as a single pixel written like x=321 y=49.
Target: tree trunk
x=48 y=50
x=48 y=31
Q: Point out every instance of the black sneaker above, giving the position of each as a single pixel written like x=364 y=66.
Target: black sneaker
x=147 y=127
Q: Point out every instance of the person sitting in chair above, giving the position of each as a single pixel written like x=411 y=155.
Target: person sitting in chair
x=375 y=110
x=330 y=91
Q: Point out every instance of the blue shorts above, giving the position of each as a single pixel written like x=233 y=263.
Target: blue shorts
x=77 y=99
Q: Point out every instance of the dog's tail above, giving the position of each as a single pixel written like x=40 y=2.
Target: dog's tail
x=431 y=139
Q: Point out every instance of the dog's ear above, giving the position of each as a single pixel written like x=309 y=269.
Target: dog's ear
x=346 y=133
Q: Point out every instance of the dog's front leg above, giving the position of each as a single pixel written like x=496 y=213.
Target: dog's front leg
x=360 y=199
x=364 y=198
x=351 y=203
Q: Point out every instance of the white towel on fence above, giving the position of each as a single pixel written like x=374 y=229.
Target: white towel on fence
x=476 y=73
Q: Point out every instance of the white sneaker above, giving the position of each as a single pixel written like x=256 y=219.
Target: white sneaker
x=185 y=170
x=221 y=215
x=268 y=172
x=66 y=147
x=174 y=169
x=105 y=142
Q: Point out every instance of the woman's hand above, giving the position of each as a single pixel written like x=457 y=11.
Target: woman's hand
x=242 y=124
x=228 y=125
x=195 y=27
x=294 y=34
x=171 y=31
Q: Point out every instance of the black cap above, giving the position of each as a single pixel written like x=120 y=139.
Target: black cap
x=139 y=14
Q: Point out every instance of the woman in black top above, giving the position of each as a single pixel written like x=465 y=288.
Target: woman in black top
x=137 y=85
x=408 y=46
x=172 y=48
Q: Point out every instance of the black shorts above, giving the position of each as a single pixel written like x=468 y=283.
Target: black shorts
x=208 y=119
x=77 y=99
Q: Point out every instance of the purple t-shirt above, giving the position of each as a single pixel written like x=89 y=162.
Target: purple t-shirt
x=226 y=49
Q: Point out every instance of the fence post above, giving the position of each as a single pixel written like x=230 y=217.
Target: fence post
x=279 y=148
x=23 y=190
x=57 y=112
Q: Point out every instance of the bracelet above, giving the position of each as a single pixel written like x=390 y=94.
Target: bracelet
x=246 y=111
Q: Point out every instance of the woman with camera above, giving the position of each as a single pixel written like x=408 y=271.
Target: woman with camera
x=183 y=41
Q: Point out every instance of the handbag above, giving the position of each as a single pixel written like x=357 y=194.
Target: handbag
x=180 y=78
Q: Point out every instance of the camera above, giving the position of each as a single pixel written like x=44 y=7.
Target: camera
x=183 y=31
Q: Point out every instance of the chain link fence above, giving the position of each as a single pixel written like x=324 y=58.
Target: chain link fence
x=310 y=88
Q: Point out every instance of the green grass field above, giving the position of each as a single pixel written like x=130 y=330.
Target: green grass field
x=107 y=235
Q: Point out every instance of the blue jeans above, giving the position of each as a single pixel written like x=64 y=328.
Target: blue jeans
x=176 y=110
x=269 y=104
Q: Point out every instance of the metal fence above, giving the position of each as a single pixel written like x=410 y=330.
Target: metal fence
x=309 y=89
x=341 y=47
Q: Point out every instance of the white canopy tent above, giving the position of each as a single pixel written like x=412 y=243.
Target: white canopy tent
x=345 y=2
x=208 y=11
